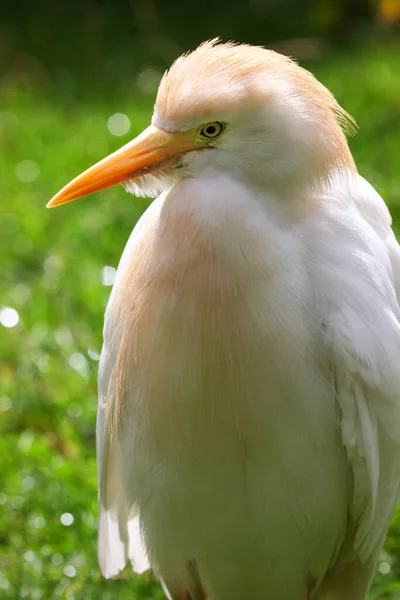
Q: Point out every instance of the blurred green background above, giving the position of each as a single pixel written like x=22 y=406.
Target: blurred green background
x=77 y=80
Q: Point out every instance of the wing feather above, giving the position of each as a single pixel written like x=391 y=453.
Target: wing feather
x=364 y=328
x=119 y=521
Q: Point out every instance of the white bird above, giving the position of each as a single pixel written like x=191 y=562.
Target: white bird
x=248 y=430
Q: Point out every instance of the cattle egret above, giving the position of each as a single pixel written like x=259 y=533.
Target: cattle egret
x=248 y=431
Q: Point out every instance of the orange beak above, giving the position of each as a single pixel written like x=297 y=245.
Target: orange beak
x=152 y=149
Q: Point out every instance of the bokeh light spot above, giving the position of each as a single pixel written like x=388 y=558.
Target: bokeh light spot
x=64 y=337
x=28 y=482
x=52 y=263
x=148 y=80
x=78 y=362
x=57 y=559
x=118 y=124
x=25 y=440
x=27 y=171
x=37 y=521
x=384 y=568
x=108 y=275
x=21 y=293
x=46 y=550
x=67 y=519
x=4 y=583
x=29 y=556
x=69 y=571
x=9 y=317
x=17 y=502
x=93 y=354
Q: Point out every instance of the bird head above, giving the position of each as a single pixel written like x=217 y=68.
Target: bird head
x=237 y=109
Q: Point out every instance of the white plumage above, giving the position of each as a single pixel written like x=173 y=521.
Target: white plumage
x=249 y=413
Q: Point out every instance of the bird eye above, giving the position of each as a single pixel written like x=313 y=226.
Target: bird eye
x=210 y=131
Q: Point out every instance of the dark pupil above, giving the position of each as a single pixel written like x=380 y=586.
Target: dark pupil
x=211 y=129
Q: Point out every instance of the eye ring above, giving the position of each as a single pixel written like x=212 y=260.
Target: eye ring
x=211 y=131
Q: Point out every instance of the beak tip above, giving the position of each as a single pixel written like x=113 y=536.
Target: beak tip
x=60 y=198
x=53 y=202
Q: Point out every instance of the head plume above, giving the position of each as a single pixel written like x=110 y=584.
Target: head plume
x=218 y=80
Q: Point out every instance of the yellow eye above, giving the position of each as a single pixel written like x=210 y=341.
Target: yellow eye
x=210 y=131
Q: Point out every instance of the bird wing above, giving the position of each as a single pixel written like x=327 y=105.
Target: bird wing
x=119 y=528
x=361 y=276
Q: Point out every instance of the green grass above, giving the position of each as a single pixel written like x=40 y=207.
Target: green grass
x=51 y=264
